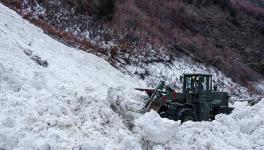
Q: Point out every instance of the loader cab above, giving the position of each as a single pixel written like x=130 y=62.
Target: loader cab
x=196 y=83
x=197 y=92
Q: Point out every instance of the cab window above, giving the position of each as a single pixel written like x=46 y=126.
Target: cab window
x=210 y=83
x=204 y=84
x=188 y=83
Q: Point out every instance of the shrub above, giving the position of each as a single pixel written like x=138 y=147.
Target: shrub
x=101 y=9
x=172 y=23
x=247 y=7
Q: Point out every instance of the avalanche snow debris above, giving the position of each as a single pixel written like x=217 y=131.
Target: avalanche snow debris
x=63 y=106
x=68 y=104
x=125 y=99
x=243 y=129
x=153 y=128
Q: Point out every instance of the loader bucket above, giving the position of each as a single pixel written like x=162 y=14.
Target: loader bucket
x=148 y=91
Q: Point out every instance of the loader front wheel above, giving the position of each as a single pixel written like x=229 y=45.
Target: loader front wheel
x=163 y=111
x=186 y=114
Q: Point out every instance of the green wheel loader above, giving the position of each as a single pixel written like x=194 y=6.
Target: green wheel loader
x=198 y=101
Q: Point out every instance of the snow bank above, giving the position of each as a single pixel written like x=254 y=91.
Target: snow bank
x=62 y=104
x=243 y=129
x=56 y=97
x=126 y=99
x=155 y=129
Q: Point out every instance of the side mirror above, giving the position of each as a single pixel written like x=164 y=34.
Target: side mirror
x=215 y=87
x=181 y=78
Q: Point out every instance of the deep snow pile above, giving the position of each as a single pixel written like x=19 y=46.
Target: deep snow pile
x=56 y=97
x=243 y=129
x=53 y=96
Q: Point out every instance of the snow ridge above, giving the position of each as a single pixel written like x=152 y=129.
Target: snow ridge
x=75 y=101
x=61 y=106
x=243 y=129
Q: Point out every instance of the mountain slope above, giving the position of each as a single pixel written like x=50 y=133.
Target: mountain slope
x=226 y=34
x=56 y=97
x=259 y=3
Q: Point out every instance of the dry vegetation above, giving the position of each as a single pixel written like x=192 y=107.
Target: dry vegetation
x=189 y=26
x=227 y=34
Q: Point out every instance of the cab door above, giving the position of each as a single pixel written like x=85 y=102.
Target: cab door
x=204 y=89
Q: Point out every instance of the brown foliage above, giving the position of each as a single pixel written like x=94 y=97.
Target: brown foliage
x=248 y=7
x=101 y=9
x=173 y=22
x=66 y=37
x=13 y=4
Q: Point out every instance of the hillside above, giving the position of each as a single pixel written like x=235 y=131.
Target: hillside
x=259 y=3
x=53 y=96
x=226 y=34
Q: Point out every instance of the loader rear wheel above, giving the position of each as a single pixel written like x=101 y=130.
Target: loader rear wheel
x=186 y=114
x=222 y=110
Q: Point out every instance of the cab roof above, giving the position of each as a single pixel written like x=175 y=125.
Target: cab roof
x=197 y=74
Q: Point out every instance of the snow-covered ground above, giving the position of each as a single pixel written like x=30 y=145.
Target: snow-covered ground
x=61 y=106
x=56 y=97
x=243 y=129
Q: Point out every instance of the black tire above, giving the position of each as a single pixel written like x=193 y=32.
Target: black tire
x=222 y=110
x=186 y=114
x=163 y=111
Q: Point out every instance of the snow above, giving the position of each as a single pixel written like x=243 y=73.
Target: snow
x=260 y=87
x=243 y=129
x=61 y=106
x=156 y=129
x=79 y=101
